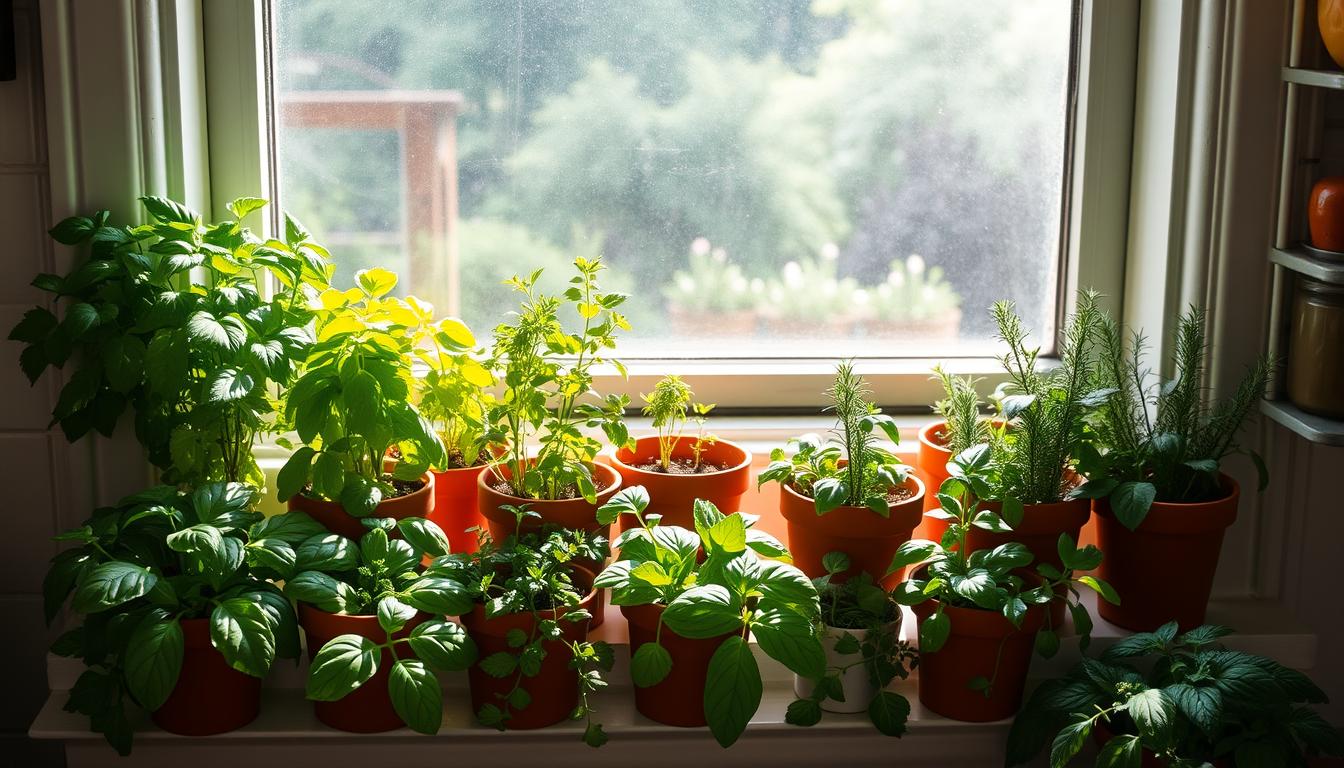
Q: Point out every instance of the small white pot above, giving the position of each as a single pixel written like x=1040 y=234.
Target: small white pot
x=858 y=687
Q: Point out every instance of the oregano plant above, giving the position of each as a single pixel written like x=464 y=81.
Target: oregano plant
x=548 y=397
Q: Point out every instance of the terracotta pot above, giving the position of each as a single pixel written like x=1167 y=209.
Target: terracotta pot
x=869 y=539
x=977 y=639
x=368 y=708
x=555 y=689
x=1163 y=571
x=576 y=514
x=334 y=517
x=1325 y=212
x=931 y=461
x=455 y=507
x=673 y=496
x=210 y=696
x=855 y=681
x=680 y=698
x=1330 y=19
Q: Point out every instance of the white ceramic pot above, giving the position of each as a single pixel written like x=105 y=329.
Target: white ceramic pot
x=854 y=681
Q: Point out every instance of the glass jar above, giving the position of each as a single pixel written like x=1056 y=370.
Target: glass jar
x=1316 y=348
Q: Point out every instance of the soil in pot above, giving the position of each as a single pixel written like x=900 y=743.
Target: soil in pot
x=1190 y=535
x=210 y=696
x=680 y=698
x=979 y=641
x=368 y=708
x=869 y=539
x=673 y=494
x=415 y=499
x=574 y=512
x=554 y=690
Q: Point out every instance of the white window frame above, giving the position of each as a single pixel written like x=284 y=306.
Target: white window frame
x=236 y=65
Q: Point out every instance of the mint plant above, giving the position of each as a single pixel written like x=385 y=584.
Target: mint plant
x=453 y=394
x=169 y=318
x=532 y=574
x=548 y=373
x=989 y=580
x=383 y=577
x=669 y=405
x=352 y=402
x=1161 y=441
x=149 y=562
x=731 y=591
x=1184 y=698
x=855 y=471
x=862 y=609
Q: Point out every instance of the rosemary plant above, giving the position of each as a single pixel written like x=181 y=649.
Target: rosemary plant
x=959 y=409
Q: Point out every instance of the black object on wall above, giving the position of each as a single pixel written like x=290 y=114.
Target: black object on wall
x=8 y=43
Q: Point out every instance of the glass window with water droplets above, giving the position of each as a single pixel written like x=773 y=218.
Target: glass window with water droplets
x=766 y=178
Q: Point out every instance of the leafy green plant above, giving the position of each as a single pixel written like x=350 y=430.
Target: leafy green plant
x=710 y=283
x=1185 y=698
x=547 y=373
x=670 y=404
x=988 y=580
x=731 y=591
x=170 y=318
x=963 y=425
x=352 y=402
x=1162 y=441
x=154 y=559
x=855 y=471
x=382 y=576
x=533 y=574
x=453 y=394
x=859 y=605
x=1043 y=413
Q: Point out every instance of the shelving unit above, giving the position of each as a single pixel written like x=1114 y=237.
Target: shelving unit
x=1312 y=82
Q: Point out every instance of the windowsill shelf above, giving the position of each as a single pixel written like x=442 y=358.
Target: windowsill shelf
x=1317 y=78
x=287 y=732
x=1317 y=429
x=1300 y=261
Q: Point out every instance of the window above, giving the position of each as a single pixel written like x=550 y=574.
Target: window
x=771 y=179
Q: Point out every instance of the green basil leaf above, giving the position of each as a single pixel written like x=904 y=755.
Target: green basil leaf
x=416 y=696
x=704 y=611
x=241 y=631
x=889 y=712
x=650 y=664
x=438 y=595
x=425 y=536
x=732 y=690
x=393 y=614
x=788 y=637
x=111 y=584
x=443 y=645
x=342 y=665
x=323 y=592
x=153 y=659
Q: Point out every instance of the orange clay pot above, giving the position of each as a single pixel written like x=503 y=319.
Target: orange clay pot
x=554 y=690
x=1188 y=535
x=673 y=496
x=869 y=539
x=210 y=696
x=577 y=514
x=334 y=517
x=680 y=698
x=455 y=509
x=1330 y=19
x=1325 y=214
x=368 y=708
x=978 y=638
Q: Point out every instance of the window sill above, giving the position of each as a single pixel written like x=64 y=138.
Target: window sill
x=287 y=732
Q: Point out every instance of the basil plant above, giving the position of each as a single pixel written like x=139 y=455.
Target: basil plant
x=731 y=591
x=170 y=318
x=149 y=562
x=383 y=576
x=352 y=403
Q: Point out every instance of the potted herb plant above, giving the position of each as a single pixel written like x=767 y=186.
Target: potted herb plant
x=169 y=318
x=851 y=496
x=1038 y=432
x=689 y=619
x=454 y=396
x=352 y=404
x=711 y=298
x=1160 y=495
x=864 y=653
x=1159 y=698
x=372 y=618
x=179 y=614
x=959 y=427
x=544 y=402
x=677 y=468
x=980 y=614
x=531 y=604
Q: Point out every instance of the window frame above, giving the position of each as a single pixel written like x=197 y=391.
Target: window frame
x=237 y=66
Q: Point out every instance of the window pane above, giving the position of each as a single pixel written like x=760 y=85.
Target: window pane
x=769 y=178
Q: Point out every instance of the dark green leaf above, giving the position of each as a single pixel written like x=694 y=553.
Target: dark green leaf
x=650 y=664
x=154 y=659
x=443 y=645
x=416 y=696
x=342 y=665
x=732 y=690
x=111 y=584
x=889 y=712
x=241 y=631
